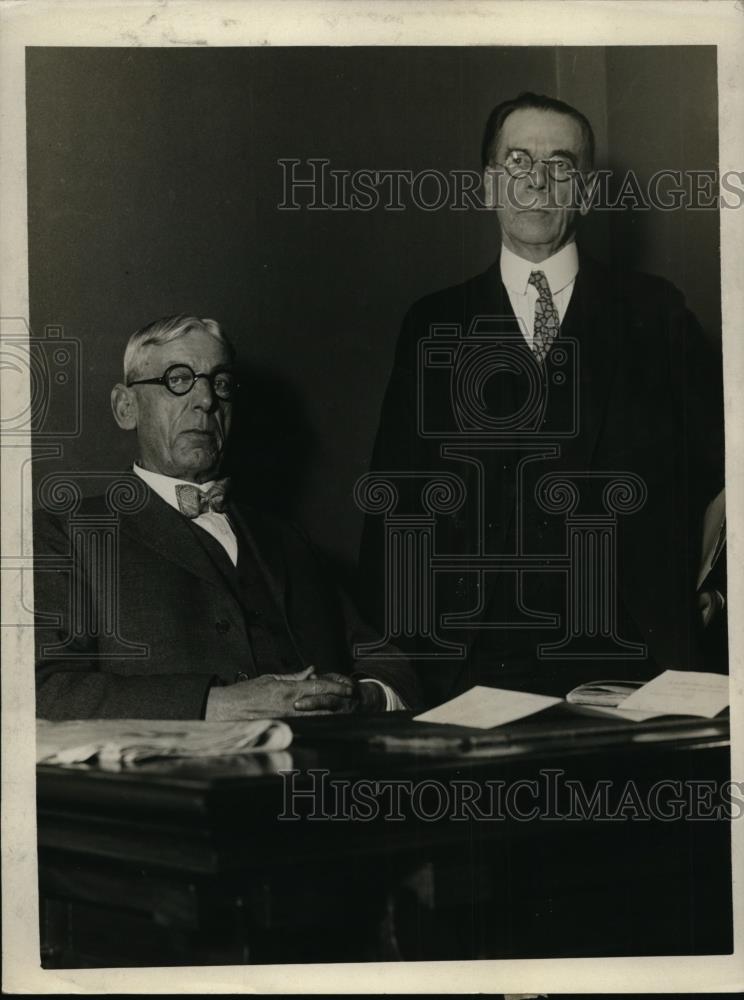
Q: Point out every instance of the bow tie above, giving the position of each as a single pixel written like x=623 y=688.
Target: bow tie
x=192 y=501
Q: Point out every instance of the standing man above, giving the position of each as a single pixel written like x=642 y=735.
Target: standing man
x=616 y=379
x=210 y=610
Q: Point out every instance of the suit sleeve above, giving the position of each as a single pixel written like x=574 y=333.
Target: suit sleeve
x=699 y=379
x=73 y=679
x=699 y=383
x=387 y=664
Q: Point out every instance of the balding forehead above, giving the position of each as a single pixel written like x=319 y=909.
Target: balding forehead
x=541 y=132
x=197 y=348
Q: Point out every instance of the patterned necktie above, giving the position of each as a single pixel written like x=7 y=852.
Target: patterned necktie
x=192 y=501
x=546 y=316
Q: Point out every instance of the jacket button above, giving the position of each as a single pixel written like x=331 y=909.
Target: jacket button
x=222 y=625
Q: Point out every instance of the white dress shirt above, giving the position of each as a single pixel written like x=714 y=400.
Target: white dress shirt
x=219 y=527
x=560 y=271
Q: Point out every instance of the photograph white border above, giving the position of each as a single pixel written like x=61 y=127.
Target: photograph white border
x=183 y=23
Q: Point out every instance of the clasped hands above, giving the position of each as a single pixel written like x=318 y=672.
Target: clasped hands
x=280 y=695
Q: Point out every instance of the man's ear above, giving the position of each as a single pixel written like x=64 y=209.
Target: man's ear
x=124 y=407
x=588 y=189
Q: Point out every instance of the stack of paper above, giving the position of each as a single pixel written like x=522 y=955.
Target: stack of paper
x=674 y=692
x=114 y=743
x=680 y=692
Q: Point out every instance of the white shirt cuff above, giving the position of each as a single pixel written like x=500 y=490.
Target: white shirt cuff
x=392 y=702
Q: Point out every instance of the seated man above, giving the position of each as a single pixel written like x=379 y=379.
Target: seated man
x=212 y=610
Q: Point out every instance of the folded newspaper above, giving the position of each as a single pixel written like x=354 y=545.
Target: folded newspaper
x=122 y=742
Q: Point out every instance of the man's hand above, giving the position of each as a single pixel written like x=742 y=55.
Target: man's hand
x=281 y=695
x=327 y=693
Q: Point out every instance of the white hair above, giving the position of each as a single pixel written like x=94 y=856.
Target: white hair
x=163 y=331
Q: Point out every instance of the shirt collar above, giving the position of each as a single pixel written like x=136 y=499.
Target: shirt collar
x=165 y=486
x=560 y=269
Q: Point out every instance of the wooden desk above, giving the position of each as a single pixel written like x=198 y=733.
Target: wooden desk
x=192 y=862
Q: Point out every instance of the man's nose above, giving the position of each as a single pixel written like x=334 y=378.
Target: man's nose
x=538 y=175
x=202 y=395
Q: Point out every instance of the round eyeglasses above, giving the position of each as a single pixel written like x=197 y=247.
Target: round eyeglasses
x=519 y=163
x=180 y=379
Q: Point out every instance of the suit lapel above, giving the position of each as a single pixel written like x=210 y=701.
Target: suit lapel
x=487 y=297
x=265 y=547
x=170 y=535
x=593 y=318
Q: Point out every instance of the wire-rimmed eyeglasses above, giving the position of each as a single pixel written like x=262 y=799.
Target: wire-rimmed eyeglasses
x=519 y=163
x=181 y=379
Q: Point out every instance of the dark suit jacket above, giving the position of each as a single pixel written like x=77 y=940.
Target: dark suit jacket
x=173 y=600
x=650 y=403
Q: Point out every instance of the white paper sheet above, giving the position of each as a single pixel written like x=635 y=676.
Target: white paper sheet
x=124 y=742
x=681 y=692
x=486 y=707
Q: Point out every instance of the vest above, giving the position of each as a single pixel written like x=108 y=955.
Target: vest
x=510 y=655
x=271 y=646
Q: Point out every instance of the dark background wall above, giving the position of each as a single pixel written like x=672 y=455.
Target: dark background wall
x=153 y=187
